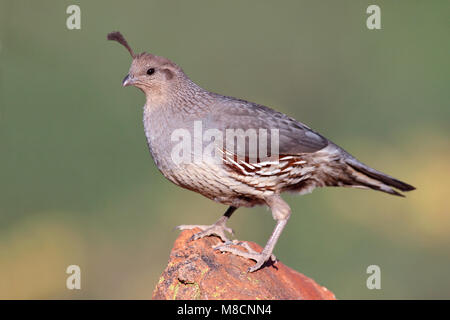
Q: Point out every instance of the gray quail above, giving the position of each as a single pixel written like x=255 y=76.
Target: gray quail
x=304 y=159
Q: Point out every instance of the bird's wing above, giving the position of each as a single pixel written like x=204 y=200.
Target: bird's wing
x=294 y=137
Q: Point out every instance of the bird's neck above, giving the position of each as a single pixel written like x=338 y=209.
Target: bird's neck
x=175 y=108
x=182 y=96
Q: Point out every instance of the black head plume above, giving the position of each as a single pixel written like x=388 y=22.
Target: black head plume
x=117 y=36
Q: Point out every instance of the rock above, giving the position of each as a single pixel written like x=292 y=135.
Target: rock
x=196 y=271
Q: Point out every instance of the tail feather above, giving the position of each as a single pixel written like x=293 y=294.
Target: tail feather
x=377 y=180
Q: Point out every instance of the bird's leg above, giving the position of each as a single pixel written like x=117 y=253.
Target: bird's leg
x=217 y=229
x=281 y=213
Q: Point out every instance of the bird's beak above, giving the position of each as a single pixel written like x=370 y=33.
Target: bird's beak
x=127 y=81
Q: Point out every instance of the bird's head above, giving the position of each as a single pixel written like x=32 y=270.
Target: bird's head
x=154 y=75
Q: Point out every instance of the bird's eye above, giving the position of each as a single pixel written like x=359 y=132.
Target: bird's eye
x=151 y=71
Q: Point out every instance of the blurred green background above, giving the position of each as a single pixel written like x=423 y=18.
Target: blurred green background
x=77 y=184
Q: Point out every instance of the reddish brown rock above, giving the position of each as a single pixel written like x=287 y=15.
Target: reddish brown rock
x=196 y=271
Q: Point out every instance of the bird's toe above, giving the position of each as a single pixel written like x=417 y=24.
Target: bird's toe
x=212 y=230
x=249 y=253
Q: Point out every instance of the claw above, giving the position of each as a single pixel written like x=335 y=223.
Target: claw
x=215 y=229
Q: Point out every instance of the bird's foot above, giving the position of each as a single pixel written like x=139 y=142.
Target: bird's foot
x=216 y=229
x=260 y=258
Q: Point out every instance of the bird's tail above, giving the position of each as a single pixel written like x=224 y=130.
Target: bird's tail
x=367 y=177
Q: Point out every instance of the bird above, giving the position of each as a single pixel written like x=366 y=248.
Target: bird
x=303 y=160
